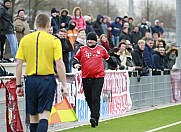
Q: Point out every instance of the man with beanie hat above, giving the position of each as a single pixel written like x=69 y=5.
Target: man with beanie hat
x=6 y=26
x=89 y=59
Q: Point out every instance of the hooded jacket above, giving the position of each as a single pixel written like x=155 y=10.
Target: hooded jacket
x=21 y=27
x=157 y=29
x=6 y=22
x=97 y=26
x=171 y=59
x=64 y=19
x=116 y=28
x=80 y=23
x=72 y=34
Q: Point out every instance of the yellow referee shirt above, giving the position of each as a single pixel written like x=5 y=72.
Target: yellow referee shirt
x=39 y=50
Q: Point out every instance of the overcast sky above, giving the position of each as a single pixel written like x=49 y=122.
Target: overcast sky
x=138 y=4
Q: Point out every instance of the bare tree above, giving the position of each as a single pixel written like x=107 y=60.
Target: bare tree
x=161 y=12
x=95 y=7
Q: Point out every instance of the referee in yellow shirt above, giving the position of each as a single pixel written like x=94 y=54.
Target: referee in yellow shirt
x=39 y=50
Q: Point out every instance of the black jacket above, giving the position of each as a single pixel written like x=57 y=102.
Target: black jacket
x=116 y=60
x=124 y=36
x=6 y=22
x=134 y=37
x=55 y=24
x=143 y=28
x=89 y=28
x=97 y=26
x=138 y=59
x=64 y=19
x=66 y=48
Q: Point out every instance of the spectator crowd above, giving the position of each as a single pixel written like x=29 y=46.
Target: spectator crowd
x=131 y=46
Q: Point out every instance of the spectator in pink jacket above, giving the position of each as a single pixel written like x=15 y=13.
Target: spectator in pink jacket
x=78 y=18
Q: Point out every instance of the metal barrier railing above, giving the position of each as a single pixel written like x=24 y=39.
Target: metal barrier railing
x=149 y=91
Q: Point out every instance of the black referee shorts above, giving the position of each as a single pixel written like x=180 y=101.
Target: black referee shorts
x=40 y=91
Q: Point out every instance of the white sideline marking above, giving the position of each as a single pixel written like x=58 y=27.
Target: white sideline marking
x=159 y=128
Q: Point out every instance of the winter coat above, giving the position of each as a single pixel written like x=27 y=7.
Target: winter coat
x=170 y=59
x=89 y=28
x=116 y=60
x=143 y=28
x=97 y=26
x=148 y=56
x=64 y=19
x=116 y=28
x=21 y=27
x=104 y=28
x=55 y=24
x=157 y=29
x=72 y=34
x=124 y=36
x=134 y=37
x=158 y=61
x=105 y=45
x=66 y=48
x=80 y=23
x=138 y=59
x=6 y=22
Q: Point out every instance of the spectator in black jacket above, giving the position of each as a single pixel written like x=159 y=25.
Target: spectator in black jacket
x=115 y=54
x=54 y=21
x=124 y=34
x=158 y=58
x=135 y=36
x=66 y=47
x=64 y=18
x=138 y=59
x=6 y=26
x=97 y=25
x=89 y=27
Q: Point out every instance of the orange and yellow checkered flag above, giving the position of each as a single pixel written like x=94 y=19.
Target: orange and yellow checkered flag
x=62 y=112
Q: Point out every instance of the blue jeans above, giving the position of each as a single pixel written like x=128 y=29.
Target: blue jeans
x=115 y=40
x=13 y=43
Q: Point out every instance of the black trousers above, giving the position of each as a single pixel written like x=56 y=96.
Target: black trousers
x=92 y=90
x=3 y=41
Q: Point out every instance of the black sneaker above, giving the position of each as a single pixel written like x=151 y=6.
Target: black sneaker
x=93 y=122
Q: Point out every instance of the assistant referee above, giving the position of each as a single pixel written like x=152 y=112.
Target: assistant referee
x=39 y=50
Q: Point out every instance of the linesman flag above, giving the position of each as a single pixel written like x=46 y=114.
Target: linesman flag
x=62 y=112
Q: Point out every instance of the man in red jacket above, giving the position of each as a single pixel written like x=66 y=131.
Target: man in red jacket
x=90 y=59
